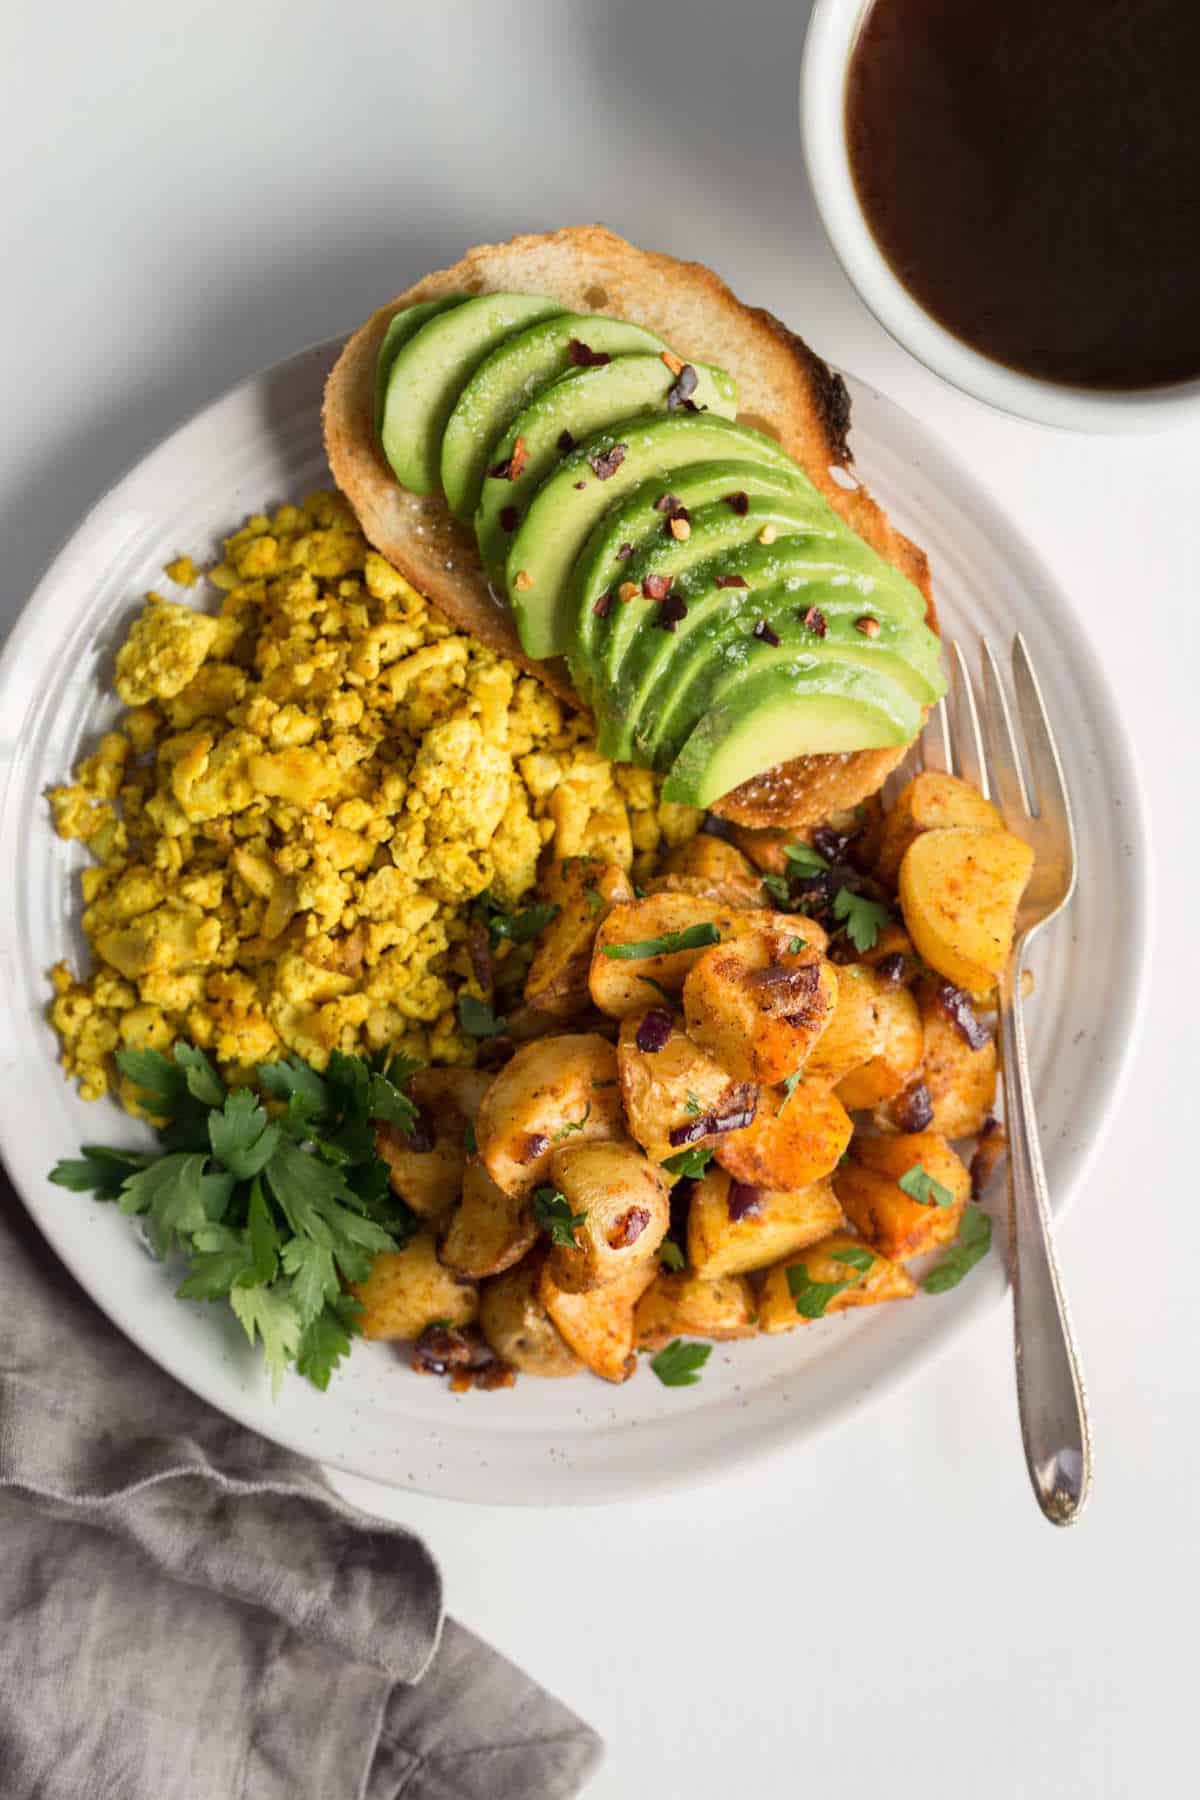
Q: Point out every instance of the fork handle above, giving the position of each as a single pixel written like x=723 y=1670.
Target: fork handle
x=1050 y=1393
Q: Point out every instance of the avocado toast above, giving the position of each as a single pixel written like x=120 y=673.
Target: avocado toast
x=722 y=359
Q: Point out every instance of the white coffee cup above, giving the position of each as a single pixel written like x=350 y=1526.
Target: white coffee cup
x=832 y=32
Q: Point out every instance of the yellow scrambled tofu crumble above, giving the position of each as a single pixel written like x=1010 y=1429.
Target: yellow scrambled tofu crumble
x=306 y=793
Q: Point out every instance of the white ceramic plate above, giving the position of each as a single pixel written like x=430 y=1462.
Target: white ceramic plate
x=545 y=1441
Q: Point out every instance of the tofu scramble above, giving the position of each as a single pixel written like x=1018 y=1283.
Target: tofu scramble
x=306 y=793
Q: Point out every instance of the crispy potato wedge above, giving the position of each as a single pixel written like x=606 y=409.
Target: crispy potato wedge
x=774 y=1224
x=489 y=1230
x=710 y=867
x=583 y=890
x=517 y=1326
x=758 y=1006
x=429 y=1178
x=961 y=1081
x=891 y=1220
x=598 y=1326
x=625 y=1200
x=902 y=1042
x=684 y=1305
x=959 y=893
x=884 y=1280
x=932 y=801
x=619 y=984
x=408 y=1289
x=668 y=1089
x=793 y=1141
x=555 y=1090
x=855 y=1033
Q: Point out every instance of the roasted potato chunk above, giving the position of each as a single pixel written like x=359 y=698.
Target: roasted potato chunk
x=673 y=1087
x=555 y=1090
x=713 y=869
x=961 y=1081
x=618 y=983
x=855 y=1032
x=490 y=1230
x=583 y=890
x=626 y=1207
x=408 y=1289
x=517 y=1326
x=793 y=1141
x=893 y=1221
x=959 y=893
x=758 y=1005
x=932 y=801
x=685 y=1306
x=778 y=1306
x=426 y=1169
x=901 y=1043
x=598 y=1326
x=733 y=1228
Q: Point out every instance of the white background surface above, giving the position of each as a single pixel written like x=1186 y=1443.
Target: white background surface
x=195 y=190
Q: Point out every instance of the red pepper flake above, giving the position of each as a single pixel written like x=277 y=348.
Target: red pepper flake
x=624 y=552
x=740 y=503
x=607 y=462
x=670 y=613
x=628 y=1228
x=956 y=1006
x=682 y=389
x=584 y=357
x=766 y=633
x=667 y=503
x=814 y=618
x=510 y=518
x=565 y=442
x=743 y=1201
x=869 y=625
x=657 y=587
x=511 y=467
x=730 y=581
x=603 y=606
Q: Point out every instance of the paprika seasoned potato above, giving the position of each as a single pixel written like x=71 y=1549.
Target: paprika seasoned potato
x=684 y=1305
x=794 y=1138
x=959 y=893
x=625 y=1200
x=621 y=983
x=489 y=1230
x=598 y=1326
x=901 y=1042
x=855 y=1033
x=733 y=1228
x=426 y=1167
x=408 y=1289
x=712 y=868
x=961 y=1080
x=895 y=1222
x=759 y=1004
x=583 y=889
x=555 y=1088
x=517 y=1327
x=668 y=1084
x=932 y=801
x=835 y=1261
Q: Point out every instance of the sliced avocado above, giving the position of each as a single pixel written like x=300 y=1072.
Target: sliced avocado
x=626 y=530
x=798 y=707
x=507 y=380
x=567 y=506
x=582 y=403
x=428 y=374
x=402 y=326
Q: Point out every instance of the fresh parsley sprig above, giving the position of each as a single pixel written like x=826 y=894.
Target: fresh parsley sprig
x=920 y=1186
x=273 y=1211
x=692 y=1163
x=972 y=1244
x=694 y=937
x=864 y=919
x=679 y=1365
x=519 y=927
x=552 y=1214
x=812 y=1297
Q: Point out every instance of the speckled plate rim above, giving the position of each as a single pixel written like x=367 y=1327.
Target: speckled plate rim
x=377 y=1421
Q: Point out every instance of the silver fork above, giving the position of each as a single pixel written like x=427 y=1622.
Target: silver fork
x=1050 y=1392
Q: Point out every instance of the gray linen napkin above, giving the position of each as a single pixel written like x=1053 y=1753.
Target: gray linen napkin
x=189 y=1613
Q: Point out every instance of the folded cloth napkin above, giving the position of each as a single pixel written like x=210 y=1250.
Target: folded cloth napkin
x=189 y=1613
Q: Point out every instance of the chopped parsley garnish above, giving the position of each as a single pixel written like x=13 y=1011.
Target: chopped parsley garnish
x=776 y=888
x=692 y=1106
x=972 y=1244
x=553 y=1215
x=658 y=988
x=864 y=918
x=789 y=1085
x=671 y=1256
x=695 y=937
x=796 y=945
x=575 y=1125
x=692 y=1163
x=807 y=860
x=519 y=927
x=273 y=1212
x=477 y=1018
x=853 y=1257
x=921 y=1187
x=679 y=1365
x=595 y=902
x=812 y=1297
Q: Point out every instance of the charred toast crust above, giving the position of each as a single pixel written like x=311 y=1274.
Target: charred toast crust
x=784 y=388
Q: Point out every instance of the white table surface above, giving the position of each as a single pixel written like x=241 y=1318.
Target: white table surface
x=195 y=190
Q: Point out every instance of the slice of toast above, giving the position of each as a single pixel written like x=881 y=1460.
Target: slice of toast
x=783 y=389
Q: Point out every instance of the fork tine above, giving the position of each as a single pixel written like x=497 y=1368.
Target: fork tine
x=1049 y=784
x=934 y=746
x=1008 y=783
x=964 y=723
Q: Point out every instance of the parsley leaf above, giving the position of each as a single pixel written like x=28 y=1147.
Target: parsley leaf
x=177 y=1198
x=776 y=888
x=98 y=1170
x=595 y=902
x=552 y=1212
x=694 y=937
x=518 y=928
x=671 y=1256
x=812 y=1297
x=241 y=1135
x=972 y=1244
x=789 y=1085
x=658 y=988
x=689 y=1162
x=302 y=1088
x=921 y=1187
x=269 y=1312
x=575 y=1125
x=692 y=1106
x=807 y=860
x=162 y=1087
x=203 y=1082
x=314 y=1277
x=864 y=918
x=386 y=1100
x=679 y=1365
x=853 y=1257
x=477 y=1018
x=220 y=1259
x=796 y=945
x=313 y=1198
x=326 y=1339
